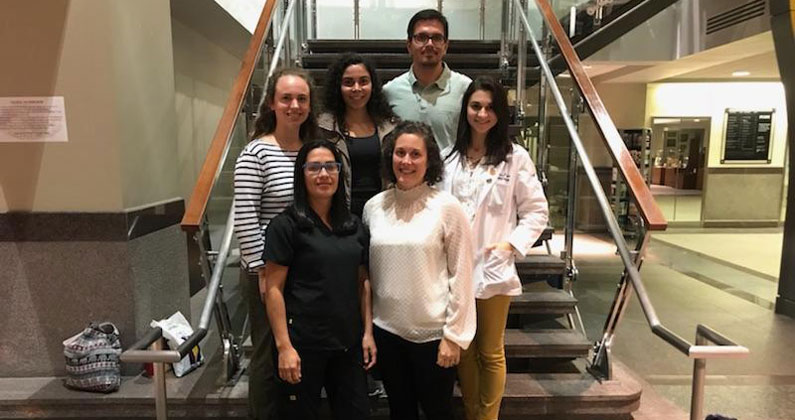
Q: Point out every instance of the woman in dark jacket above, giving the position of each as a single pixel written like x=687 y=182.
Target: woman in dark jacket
x=356 y=119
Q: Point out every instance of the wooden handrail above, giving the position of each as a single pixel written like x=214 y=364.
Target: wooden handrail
x=648 y=208
x=197 y=205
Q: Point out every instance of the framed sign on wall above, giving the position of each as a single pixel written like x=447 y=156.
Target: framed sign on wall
x=747 y=136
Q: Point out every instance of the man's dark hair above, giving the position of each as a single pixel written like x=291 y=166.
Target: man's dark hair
x=498 y=145
x=377 y=106
x=342 y=223
x=427 y=14
x=435 y=168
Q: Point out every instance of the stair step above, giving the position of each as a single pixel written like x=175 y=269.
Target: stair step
x=364 y=46
x=573 y=396
x=536 y=264
x=558 y=343
x=570 y=396
x=403 y=60
x=553 y=301
x=387 y=74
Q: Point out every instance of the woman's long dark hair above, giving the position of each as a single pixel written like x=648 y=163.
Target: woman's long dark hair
x=266 y=118
x=377 y=106
x=498 y=145
x=342 y=223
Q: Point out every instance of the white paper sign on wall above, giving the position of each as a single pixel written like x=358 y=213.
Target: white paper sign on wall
x=32 y=119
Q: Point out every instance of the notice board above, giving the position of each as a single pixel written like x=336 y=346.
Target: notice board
x=747 y=135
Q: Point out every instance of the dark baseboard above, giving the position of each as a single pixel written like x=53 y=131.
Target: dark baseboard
x=785 y=306
x=101 y=227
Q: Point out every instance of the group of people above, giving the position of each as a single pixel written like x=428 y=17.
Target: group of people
x=382 y=233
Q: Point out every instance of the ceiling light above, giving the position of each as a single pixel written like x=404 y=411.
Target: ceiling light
x=696 y=120
x=741 y=73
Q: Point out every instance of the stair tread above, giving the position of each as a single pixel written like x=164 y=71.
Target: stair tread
x=553 y=301
x=551 y=297
x=568 y=385
x=546 y=344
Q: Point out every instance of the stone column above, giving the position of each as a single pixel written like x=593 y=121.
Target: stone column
x=89 y=228
x=783 y=26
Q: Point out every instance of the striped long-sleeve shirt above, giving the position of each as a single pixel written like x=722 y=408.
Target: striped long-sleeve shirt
x=263 y=188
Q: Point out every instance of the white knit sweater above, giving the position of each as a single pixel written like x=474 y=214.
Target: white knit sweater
x=421 y=265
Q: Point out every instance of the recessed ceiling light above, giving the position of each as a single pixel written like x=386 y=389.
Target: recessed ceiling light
x=741 y=73
x=696 y=120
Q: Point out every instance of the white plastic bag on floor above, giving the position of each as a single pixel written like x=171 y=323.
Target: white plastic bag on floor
x=177 y=329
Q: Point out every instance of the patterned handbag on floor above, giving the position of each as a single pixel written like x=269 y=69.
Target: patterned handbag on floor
x=92 y=359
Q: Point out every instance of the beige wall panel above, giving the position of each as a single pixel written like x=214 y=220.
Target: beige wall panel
x=62 y=49
x=204 y=72
x=144 y=86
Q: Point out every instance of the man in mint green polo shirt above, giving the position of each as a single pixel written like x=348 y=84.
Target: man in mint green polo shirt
x=429 y=92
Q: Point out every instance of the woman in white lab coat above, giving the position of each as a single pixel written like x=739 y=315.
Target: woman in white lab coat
x=495 y=181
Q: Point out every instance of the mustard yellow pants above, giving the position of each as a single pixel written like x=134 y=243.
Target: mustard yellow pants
x=481 y=371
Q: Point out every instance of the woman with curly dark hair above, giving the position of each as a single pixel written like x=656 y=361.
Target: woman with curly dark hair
x=357 y=118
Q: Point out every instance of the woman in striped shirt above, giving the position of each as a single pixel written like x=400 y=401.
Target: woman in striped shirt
x=263 y=188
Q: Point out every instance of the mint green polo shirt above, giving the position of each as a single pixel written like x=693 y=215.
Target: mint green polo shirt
x=437 y=105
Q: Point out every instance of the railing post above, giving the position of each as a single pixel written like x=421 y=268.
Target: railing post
x=356 y=19
x=482 y=20
x=313 y=24
x=699 y=376
x=571 y=201
x=542 y=151
x=505 y=47
x=159 y=378
x=521 y=66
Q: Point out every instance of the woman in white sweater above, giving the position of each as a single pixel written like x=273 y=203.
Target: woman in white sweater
x=496 y=182
x=421 y=275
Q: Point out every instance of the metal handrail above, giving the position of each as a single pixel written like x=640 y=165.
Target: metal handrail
x=724 y=348
x=216 y=154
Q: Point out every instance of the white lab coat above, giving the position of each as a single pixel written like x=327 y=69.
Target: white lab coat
x=511 y=208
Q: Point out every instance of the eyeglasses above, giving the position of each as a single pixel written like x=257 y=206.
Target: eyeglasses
x=330 y=167
x=421 y=38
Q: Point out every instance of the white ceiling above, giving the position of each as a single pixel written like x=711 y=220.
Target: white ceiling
x=754 y=54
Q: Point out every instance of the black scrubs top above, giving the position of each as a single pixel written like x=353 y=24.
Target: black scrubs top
x=365 y=155
x=321 y=293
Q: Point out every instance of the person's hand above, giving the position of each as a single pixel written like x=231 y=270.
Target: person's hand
x=505 y=246
x=290 y=365
x=449 y=354
x=369 y=350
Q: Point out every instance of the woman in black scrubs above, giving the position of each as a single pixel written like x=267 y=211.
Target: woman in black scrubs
x=317 y=293
x=357 y=119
